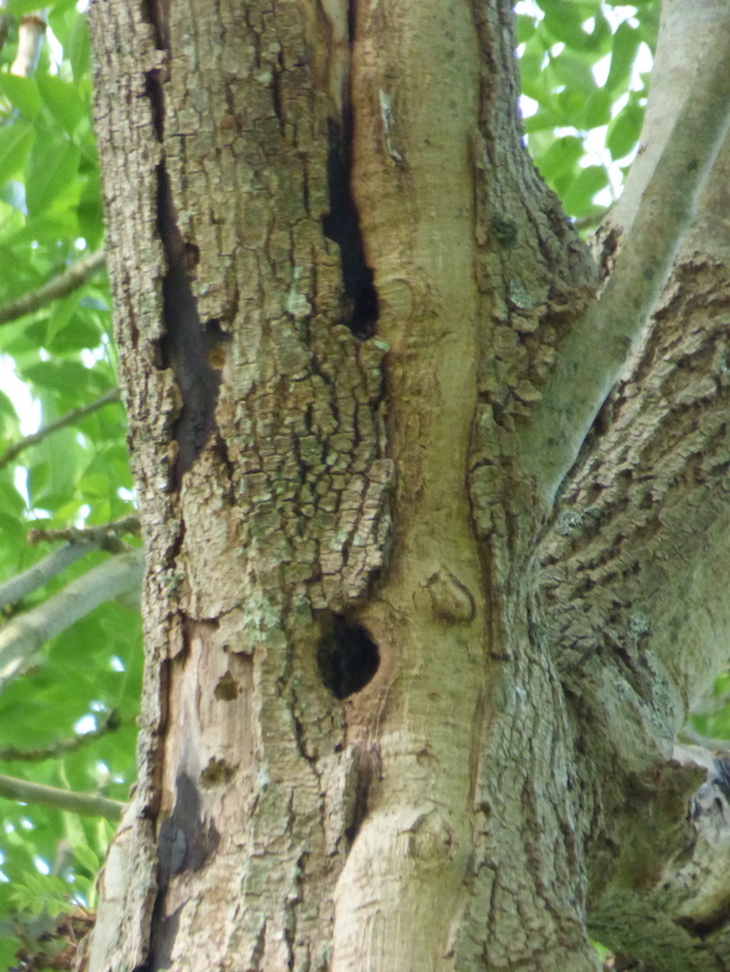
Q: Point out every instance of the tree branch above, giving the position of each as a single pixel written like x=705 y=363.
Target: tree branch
x=642 y=527
x=61 y=746
x=107 y=535
x=60 y=286
x=670 y=911
x=70 y=418
x=31 y=32
x=593 y=356
x=39 y=574
x=118 y=577
x=80 y=542
x=87 y=804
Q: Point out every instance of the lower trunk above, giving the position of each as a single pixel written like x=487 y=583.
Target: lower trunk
x=436 y=818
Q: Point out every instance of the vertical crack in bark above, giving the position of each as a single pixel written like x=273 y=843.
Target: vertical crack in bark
x=342 y=226
x=190 y=348
x=156 y=13
x=153 y=88
x=342 y=223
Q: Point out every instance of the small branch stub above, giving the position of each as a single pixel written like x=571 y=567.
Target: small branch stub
x=451 y=600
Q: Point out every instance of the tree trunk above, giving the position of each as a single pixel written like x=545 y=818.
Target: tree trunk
x=419 y=631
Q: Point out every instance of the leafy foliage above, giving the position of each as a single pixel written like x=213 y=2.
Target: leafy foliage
x=580 y=130
x=89 y=677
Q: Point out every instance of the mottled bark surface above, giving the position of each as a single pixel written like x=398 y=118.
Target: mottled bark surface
x=403 y=709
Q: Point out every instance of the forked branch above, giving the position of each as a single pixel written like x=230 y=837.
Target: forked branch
x=596 y=352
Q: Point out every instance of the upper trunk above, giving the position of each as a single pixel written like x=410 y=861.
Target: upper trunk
x=341 y=290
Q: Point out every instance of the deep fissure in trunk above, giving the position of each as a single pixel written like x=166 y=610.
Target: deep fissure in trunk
x=188 y=346
x=342 y=226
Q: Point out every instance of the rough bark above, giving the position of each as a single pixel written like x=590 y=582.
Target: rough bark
x=402 y=709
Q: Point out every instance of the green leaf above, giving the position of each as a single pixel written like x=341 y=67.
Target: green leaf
x=13 y=503
x=532 y=63
x=78 y=48
x=624 y=131
x=626 y=42
x=62 y=100
x=542 y=121
x=571 y=103
x=69 y=377
x=526 y=27
x=12 y=201
x=20 y=7
x=22 y=93
x=90 y=210
x=649 y=22
x=578 y=200
x=6 y=406
x=9 y=948
x=61 y=18
x=87 y=858
x=564 y=19
x=597 y=110
x=79 y=332
x=53 y=167
x=561 y=157
x=16 y=141
x=574 y=73
x=49 y=227
x=18 y=274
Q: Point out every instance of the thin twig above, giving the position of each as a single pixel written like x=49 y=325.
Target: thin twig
x=87 y=804
x=70 y=418
x=81 y=541
x=61 y=747
x=65 y=283
x=106 y=535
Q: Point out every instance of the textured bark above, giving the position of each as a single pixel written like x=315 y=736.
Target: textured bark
x=401 y=710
